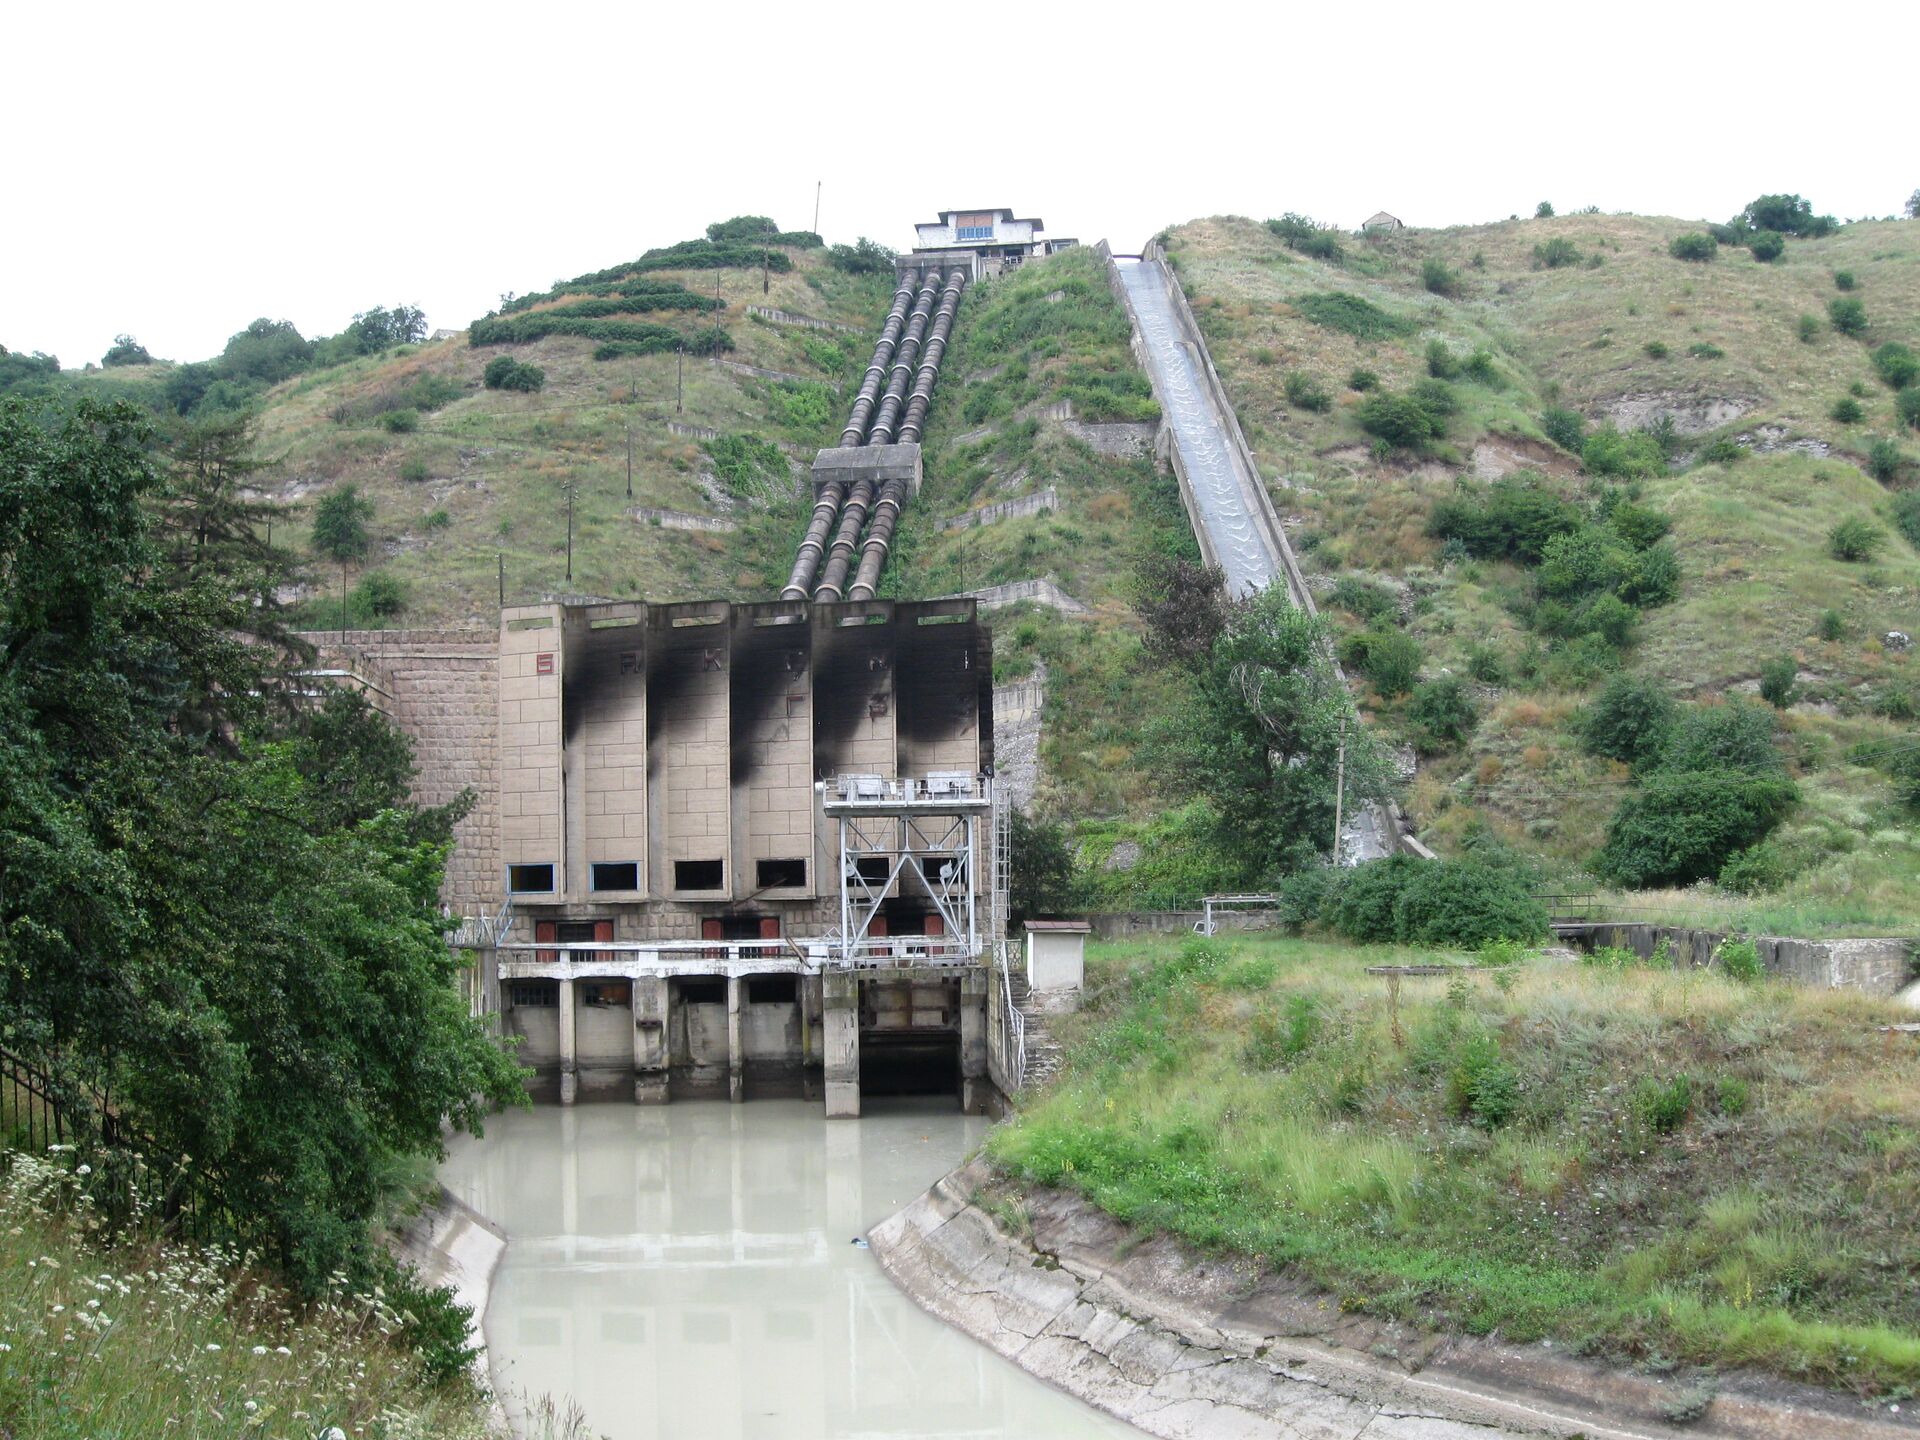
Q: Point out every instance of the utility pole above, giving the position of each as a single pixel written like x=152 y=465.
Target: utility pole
x=343 y=604
x=816 y=207
x=570 y=540
x=501 y=556
x=629 y=462
x=1339 y=791
x=766 y=261
x=679 y=375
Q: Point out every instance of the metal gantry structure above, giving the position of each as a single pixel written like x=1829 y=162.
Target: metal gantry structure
x=923 y=834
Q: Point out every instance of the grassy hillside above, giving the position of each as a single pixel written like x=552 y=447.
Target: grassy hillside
x=1679 y=1169
x=1715 y=357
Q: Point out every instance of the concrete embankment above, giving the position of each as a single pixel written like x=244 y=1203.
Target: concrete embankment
x=450 y=1243
x=1193 y=1347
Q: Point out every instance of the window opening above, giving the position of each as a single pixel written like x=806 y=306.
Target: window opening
x=529 y=879
x=615 y=875
x=699 y=874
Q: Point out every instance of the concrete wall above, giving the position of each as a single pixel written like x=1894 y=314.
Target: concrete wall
x=771 y=753
x=687 y=709
x=1875 y=966
x=531 y=670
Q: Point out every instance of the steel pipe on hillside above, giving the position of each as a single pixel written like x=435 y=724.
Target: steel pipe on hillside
x=901 y=375
x=930 y=358
x=855 y=432
x=873 y=555
x=853 y=519
x=825 y=510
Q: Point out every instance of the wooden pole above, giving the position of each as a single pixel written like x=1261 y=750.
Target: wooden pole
x=679 y=375
x=629 y=462
x=500 y=555
x=1339 y=791
x=816 y=206
x=570 y=538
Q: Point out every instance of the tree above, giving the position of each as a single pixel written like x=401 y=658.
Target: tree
x=503 y=372
x=126 y=351
x=1913 y=206
x=1630 y=720
x=1543 y=211
x=1262 y=737
x=868 y=257
x=340 y=524
x=266 y=352
x=1186 y=608
x=247 y=954
x=381 y=329
x=1683 y=825
x=1786 y=214
x=1040 y=881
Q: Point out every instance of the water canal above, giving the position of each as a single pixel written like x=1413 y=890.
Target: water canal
x=688 y=1271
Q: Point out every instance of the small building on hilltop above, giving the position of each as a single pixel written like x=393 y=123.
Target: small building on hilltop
x=1379 y=222
x=991 y=240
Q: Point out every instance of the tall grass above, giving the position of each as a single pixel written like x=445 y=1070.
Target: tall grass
x=1756 y=1215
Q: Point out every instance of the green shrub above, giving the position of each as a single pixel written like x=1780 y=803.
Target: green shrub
x=1786 y=215
x=1854 y=539
x=1442 y=713
x=340 y=524
x=1883 y=463
x=1442 y=363
x=1610 y=957
x=1362 y=906
x=1656 y=349
x=1846 y=411
x=1464 y=904
x=1777 y=680
x=1896 y=364
x=503 y=372
x=1363 y=380
x=1486 y=665
x=1723 y=452
x=1683 y=825
x=1756 y=870
x=1739 y=959
x=1907 y=406
x=1767 y=246
x=1706 y=350
x=1663 y=1105
x=1735 y=736
x=1481 y=368
x=1543 y=211
x=1732 y=1095
x=1555 y=254
x=413 y=469
x=1695 y=245
x=1809 y=328
x=401 y=422
x=1364 y=598
x=1390 y=659
x=1437 y=397
x=378 y=596
x=1906 y=516
x=433 y=390
x=1306 y=393
x=437 y=520
x=1350 y=314
x=750 y=466
x=125 y=350
x=1613 y=452
x=1848 y=315
x=1843 y=280
x=1832 y=625
x=864 y=257
x=803 y=404
x=1400 y=420
x=1482 y=1087
x=1438 y=279
x=1514 y=518
x=1565 y=428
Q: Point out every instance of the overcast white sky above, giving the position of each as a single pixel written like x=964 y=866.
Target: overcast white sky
x=175 y=171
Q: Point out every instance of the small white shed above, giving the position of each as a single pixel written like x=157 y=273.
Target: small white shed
x=1057 y=954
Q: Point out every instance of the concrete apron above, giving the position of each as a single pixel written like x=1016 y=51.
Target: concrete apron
x=1191 y=1347
x=452 y=1244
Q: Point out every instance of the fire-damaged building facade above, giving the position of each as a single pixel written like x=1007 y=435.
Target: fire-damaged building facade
x=722 y=848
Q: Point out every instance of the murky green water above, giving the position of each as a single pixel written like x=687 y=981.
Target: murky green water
x=687 y=1271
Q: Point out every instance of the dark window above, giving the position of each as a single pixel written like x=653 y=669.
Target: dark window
x=874 y=869
x=606 y=994
x=699 y=874
x=703 y=992
x=773 y=989
x=533 y=995
x=529 y=879
x=782 y=874
x=574 y=932
x=616 y=875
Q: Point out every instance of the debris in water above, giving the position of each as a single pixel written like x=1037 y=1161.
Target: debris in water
x=860 y=1242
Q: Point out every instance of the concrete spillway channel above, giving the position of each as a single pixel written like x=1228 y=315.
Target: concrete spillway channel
x=1232 y=515
x=862 y=485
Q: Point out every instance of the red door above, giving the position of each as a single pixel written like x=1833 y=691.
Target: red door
x=546 y=930
x=712 y=930
x=603 y=932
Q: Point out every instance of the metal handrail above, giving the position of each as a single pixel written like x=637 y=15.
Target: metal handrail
x=1016 y=1059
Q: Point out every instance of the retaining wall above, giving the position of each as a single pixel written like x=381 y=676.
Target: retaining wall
x=1873 y=966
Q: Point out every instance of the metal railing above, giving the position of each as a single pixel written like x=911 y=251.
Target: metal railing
x=31 y=1118
x=876 y=952
x=1214 y=905
x=1016 y=1022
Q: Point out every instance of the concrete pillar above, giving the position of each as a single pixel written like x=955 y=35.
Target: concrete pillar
x=650 y=1040
x=973 y=1041
x=807 y=992
x=569 y=1050
x=841 y=1021
x=736 y=1056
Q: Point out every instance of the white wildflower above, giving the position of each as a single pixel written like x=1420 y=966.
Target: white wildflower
x=212 y=1349
x=259 y=1349
x=281 y=1350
